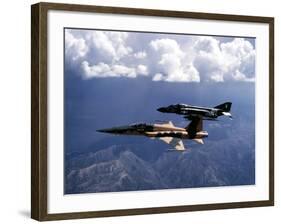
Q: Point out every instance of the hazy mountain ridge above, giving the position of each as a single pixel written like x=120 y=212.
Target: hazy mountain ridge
x=118 y=168
x=123 y=172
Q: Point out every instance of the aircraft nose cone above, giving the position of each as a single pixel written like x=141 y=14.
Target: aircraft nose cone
x=101 y=130
x=108 y=130
x=162 y=109
x=115 y=130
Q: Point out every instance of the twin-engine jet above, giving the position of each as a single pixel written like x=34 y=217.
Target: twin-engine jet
x=166 y=132
x=190 y=112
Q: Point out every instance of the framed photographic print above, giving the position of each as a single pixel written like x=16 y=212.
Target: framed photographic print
x=140 y=111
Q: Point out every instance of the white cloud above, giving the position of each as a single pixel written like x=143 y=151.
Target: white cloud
x=101 y=42
x=231 y=61
x=142 y=70
x=75 y=47
x=122 y=70
x=171 y=64
x=239 y=59
x=164 y=46
x=100 y=54
x=140 y=55
x=108 y=46
x=102 y=70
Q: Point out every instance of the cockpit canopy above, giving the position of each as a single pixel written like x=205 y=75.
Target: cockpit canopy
x=138 y=125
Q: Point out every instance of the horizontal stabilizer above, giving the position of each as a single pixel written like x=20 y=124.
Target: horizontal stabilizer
x=227 y=114
x=199 y=140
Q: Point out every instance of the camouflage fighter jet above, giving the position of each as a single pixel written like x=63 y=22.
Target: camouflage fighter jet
x=166 y=132
x=190 y=112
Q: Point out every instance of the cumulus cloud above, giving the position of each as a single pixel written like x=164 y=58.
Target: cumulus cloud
x=102 y=70
x=170 y=63
x=106 y=46
x=240 y=59
x=101 y=54
x=231 y=61
x=75 y=47
x=140 y=54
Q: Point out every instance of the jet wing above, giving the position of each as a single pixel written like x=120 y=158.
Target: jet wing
x=175 y=142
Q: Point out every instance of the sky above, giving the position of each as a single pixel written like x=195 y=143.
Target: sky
x=161 y=57
x=118 y=78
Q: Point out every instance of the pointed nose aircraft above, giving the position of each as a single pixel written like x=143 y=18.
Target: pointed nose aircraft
x=166 y=132
x=207 y=113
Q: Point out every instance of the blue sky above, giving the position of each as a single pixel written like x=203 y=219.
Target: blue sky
x=118 y=78
x=161 y=57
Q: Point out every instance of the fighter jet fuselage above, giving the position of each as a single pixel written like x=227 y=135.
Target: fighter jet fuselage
x=154 y=130
x=207 y=113
x=166 y=132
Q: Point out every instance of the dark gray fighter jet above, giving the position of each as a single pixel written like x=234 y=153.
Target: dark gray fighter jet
x=166 y=132
x=190 y=112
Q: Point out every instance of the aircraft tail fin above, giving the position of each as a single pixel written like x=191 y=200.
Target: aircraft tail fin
x=194 y=126
x=225 y=106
